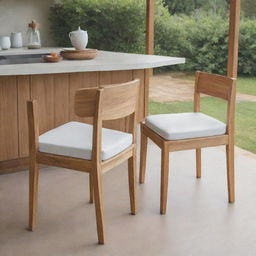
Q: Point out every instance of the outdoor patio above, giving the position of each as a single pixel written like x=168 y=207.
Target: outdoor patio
x=199 y=219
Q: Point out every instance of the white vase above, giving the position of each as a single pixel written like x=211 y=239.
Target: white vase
x=16 y=39
x=5 y=42
x=79 y=39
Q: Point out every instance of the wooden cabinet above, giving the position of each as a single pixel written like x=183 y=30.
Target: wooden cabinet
x=55 y=96
x=23 y=90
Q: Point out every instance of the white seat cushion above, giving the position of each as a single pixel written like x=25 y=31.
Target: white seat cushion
x=185 y=125
x=74 y=139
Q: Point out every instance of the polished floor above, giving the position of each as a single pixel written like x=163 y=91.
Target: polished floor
x=199 y=221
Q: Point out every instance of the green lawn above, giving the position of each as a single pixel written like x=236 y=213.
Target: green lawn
x=245 y=117
x=245 y=85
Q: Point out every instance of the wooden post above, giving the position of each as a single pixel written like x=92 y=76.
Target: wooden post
x=150 y=27
x=149 y=47
x=234 y=23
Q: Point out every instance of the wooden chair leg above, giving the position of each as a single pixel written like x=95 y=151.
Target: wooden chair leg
x=230 y=172
x=198 y=163
x=164 y=179
x=143 y=156
x=97 y=188
x=33 y=194
x=91 y=187
x=132 y=179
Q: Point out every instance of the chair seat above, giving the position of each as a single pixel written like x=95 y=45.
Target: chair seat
x=74 y=139
x=185 y=125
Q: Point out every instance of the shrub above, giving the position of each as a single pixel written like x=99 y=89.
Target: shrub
x=247 y=50
x=201 y=39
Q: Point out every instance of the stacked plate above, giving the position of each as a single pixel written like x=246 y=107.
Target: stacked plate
x=72 y=54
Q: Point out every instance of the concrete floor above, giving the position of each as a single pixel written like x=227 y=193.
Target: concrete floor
x=199 y=221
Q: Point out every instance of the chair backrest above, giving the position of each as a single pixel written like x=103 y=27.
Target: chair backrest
x=86 y=102
x=220 y=87
x=114 y=101
x=119 y=101
x=214 y=85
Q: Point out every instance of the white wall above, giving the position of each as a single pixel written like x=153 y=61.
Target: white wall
x=16 y=14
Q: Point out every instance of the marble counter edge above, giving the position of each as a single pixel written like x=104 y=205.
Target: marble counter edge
x=80 y=66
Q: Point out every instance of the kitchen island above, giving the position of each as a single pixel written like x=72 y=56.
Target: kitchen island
x=54 y=85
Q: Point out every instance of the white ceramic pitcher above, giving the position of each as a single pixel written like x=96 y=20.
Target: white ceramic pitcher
x=79 y=39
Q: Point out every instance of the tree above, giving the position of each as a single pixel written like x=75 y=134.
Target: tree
x=182 y=6
x=249 y=8
x=189 y=6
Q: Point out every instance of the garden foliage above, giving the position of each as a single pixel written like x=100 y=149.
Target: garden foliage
x=119 y=25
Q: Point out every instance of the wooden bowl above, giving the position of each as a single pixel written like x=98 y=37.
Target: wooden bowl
x=50 y=58
x=86 y=54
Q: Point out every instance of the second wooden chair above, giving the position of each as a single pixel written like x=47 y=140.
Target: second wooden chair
x=183 y=131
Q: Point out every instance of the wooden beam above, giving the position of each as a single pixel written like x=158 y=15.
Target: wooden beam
x=150 y=27
x=234 y=23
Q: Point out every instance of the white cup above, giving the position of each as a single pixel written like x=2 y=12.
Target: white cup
x=16 y=39
x=5 y=42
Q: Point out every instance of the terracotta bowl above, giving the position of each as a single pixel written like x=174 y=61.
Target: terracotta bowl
x=50 y=58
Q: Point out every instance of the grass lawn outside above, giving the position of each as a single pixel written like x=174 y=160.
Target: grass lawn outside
x=245 y=116
x=246 y=85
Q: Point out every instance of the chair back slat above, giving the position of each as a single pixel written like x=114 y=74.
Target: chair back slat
x=119 y=101
x=116 y=101
x=86 y=101
x=217 y=86
x=214 y=85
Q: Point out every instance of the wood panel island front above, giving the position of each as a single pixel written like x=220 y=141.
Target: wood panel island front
x=54 y=85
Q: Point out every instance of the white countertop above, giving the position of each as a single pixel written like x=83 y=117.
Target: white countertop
x=105 y=61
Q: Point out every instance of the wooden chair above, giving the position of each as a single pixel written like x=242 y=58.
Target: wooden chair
x=87 y=148
x=174 y=132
